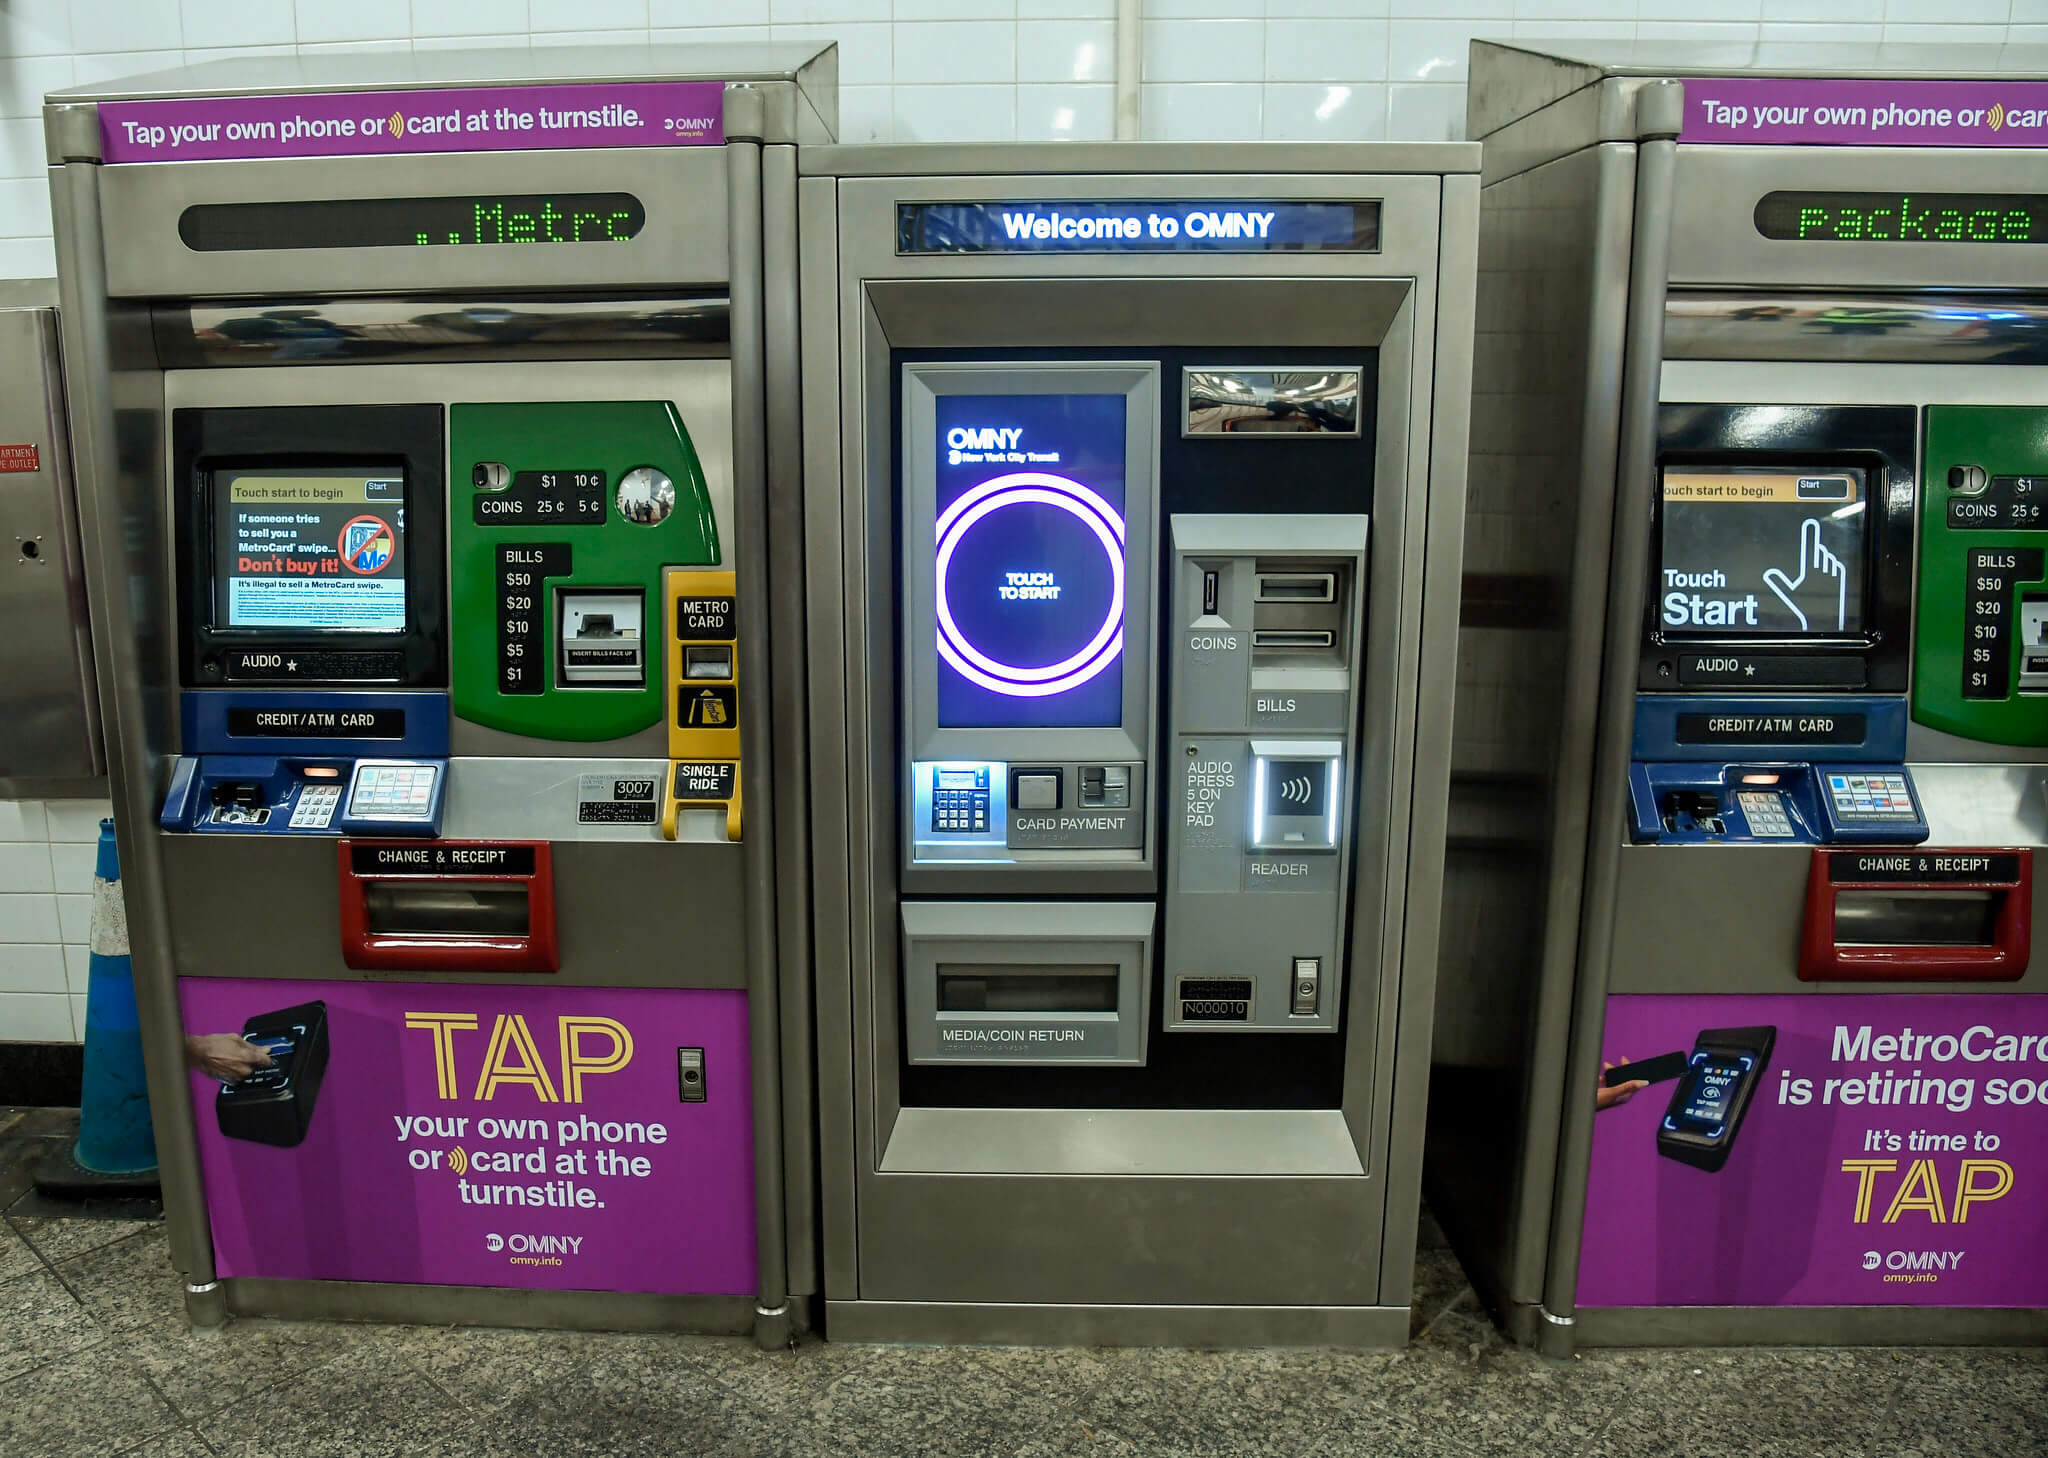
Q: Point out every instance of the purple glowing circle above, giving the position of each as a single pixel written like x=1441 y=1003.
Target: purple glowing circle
x=1040 y=489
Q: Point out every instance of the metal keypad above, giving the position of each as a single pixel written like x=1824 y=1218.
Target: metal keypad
x=1765 y=812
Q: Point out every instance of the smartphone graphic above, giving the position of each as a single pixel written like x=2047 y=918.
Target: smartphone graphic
x=1705 y=1115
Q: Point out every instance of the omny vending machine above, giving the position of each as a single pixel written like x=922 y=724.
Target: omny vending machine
x=426 y=414
x=1128 y=471
x=1741 y=1031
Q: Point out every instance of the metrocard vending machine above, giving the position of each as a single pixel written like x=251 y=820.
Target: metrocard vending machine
x=1744 y=1041
x=1123 y=472
x=428 y=431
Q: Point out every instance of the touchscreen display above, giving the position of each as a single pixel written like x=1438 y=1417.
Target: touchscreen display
x=1775 y=552
x=1031 y=560
x=1708 y=1093
x=310 y=547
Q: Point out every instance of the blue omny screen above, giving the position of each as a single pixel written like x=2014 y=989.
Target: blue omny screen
x=1032 y=560
x=1092 y=226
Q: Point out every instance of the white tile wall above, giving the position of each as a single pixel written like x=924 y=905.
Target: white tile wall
x=910 y=70
x=47 y=854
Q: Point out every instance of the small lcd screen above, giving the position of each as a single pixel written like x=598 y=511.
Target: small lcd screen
x=1771 y=552
x=413 y=222
x=1080 y=225
x=1708 y=1093
x=1903 y=217
x=1031 y=560
x=309 y=547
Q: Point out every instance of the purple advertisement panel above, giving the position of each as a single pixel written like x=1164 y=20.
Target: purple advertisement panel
x=1031 y=560
x=1820 y=1151
x=463 y=119
x=1792 y=111
x=553 y=1138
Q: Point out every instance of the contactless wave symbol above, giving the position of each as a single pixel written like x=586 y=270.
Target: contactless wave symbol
x=1995 y=118
x=458 y=1160
x=1032 y=488
x=1299 y=790
x=396 y=121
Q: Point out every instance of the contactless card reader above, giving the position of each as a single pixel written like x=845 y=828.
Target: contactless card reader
x=1707 y=1108
x=274 y=1105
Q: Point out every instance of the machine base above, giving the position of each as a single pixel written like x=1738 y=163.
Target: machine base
x=490 y=1306
x=1809 y=1326
x=1033 y=1325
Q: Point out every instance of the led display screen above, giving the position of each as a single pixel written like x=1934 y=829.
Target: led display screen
x=1770 y=552
x=413 y=222
x=1903 y=217
x=319 y=547
x=1082 y=225
x=1031 y=562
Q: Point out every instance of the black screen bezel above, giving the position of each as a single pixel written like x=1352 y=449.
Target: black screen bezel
x=1879 y=441
x=408 y=438
x=1701 y=1149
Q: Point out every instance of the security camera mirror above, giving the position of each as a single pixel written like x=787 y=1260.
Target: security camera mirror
x=1774 y=552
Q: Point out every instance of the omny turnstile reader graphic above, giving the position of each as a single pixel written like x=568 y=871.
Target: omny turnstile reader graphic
x=1128 y=692
x=1739 y=1028
x=430 y=410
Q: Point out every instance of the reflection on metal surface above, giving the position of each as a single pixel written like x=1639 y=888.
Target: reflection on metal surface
x=1932 y=328
x=1244 y=402
x=342 y=331
x=646 y=496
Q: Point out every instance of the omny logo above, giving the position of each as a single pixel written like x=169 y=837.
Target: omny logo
x=1913 y=1266
x=971 y=445
x=534 y=1250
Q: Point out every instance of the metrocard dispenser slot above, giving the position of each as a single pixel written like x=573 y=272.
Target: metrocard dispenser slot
x=448 y=906
x=1914 y=914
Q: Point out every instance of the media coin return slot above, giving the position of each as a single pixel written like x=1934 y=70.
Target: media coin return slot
x=965 y=987
x=1297 y=587
x=446 y=909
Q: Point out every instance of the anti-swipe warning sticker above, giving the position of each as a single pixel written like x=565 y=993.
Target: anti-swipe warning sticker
x=20 y=458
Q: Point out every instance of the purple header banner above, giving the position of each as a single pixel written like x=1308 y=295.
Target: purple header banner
x=414 y=123
x=1791 y=111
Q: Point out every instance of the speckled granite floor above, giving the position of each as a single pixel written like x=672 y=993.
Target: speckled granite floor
x=95 y=1359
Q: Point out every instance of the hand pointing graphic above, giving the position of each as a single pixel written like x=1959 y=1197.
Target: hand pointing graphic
x=1815 y=557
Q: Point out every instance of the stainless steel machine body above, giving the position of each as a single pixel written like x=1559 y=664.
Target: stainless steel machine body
x=1124 y=956
x=1644 y=311
x=671 y=341
x=50 y=742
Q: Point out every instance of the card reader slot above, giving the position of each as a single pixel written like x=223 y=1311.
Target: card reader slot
x=448 y=909
x=969 y=987
x=1917 y=918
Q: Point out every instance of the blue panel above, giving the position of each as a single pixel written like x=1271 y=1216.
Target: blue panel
x=240 y=794
x=350 y=723
x=1696 y=803
x=1834 y=728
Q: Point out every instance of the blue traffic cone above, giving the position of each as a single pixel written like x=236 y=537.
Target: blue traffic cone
x=116 y=1148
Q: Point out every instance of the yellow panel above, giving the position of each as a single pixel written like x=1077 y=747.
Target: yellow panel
x=700 y=610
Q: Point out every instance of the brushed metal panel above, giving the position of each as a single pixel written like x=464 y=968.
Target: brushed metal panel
x=51 y=730
x=952 y=1323
x=1753 y=901
x=1810 y=1326
x=265 y=906
x=1104 y=1240
x=1248 y=1142
x=444 y=1306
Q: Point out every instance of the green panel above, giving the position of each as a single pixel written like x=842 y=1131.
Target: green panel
x=1950 y=630
x=613 y=437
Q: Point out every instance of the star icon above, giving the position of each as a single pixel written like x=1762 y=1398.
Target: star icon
x=291 y=665
x=1749 y=670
